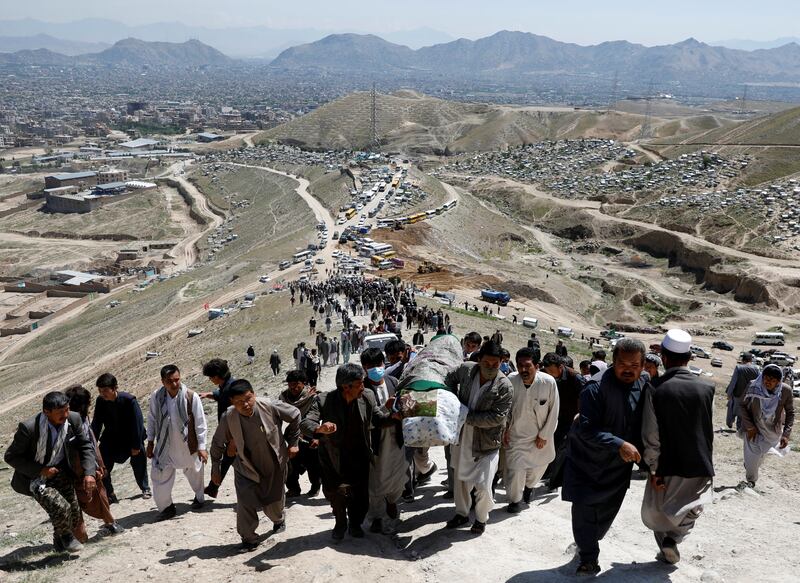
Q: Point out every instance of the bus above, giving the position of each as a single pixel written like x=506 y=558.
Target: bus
x=388 y=254
x=430 y=213
x=773 y=338
x=302 y=256
x=450 y=204
x=417 y=217
x=350 y=213
x=385 y=223
x=395 y=182
x=376 y=260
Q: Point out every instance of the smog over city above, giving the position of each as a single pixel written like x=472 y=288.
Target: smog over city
x=399 y=187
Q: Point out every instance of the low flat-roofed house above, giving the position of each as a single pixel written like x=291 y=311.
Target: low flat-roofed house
x=206 y=137
x=79 y=179
x=140 y=144
x=70 y=277
x=110 y=188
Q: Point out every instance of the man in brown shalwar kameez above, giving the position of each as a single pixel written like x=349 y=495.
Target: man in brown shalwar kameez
x=253 y=424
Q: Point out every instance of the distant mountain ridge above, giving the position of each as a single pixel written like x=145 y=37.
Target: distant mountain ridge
x=12 y=44
x=128 y=52
x=516 y=53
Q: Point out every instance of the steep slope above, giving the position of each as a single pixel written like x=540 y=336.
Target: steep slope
x=132 y=51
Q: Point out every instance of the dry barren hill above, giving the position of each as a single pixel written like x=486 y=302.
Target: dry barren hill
x=409 y=121
x=782 y=128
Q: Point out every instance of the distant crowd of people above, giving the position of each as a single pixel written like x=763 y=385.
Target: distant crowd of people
x=532 y=420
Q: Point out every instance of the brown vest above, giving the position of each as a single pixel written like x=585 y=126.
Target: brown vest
x=192 y=437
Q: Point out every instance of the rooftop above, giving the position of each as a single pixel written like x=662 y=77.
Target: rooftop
x=73 y=175
x=140 y=143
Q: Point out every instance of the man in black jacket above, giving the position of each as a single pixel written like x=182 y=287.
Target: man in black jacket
x=119 y=427
x=740 y=379
x=678 y=435
x=219 y=373
x=602 y=449
x=342 y=421
x=41 y=454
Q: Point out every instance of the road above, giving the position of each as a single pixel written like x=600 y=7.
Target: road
x=185 y=252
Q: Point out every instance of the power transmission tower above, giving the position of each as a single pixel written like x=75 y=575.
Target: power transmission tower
x=744 y=99
x=648 y=114
x=373 y=120
x=614 y=91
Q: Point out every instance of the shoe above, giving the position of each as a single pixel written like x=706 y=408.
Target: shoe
x=456 y=521
x=448 y=495
x=58 y=546
x=211 y=490
x=514 y=508
x=669 y=550
x=588 y=569
x=146 y=494
x=292 y=493
x=112 y=499
x=247 y=546
x=407 y=496
x=526 y=495
x=338 y=531
x=478 y=527
x=69 y=544
x=278 y=527
x=112 y=528
x=376 y=526
x=167 y=513
x=313 y=491
x=356 y=531
x=196 y=504
x=426 y=477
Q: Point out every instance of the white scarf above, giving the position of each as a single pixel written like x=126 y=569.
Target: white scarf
x=41 y=447
x=163 y=422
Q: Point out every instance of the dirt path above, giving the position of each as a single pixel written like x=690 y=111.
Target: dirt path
x=185 y=252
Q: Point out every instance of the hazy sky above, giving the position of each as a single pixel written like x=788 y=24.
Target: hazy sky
x=580 y=21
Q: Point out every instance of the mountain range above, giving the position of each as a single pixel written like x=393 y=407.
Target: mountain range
x=243 y=42
x=520 y=53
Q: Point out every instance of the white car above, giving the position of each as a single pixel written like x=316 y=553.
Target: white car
x=378 y=340
x=341 y=221
x=263 y=279
x=319 y=261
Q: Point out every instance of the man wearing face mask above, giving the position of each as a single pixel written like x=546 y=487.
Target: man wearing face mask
x=397 y=357
x=602 y=448
x=487 y=393
x=528 y=439
x=387 y=477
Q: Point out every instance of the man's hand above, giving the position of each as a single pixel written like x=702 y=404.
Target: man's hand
x=657 y=482
x=203 y=455
x=540 y=443
x=135 y=452
x=314 y=444
x=506 y=438
x=326 y=428
x=48 y=472
x=208 y=395
x=89 y=483
x=150 y=449
x=216 y=478
x=629 y=453
x=389 y=403
x=752 y=433
x=784 y=442
x=98 y=475
x=230 y=449
x=293 y=451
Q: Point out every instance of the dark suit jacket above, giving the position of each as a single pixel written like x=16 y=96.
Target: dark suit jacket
x=118 y=424
x=21 y=454
x=742 y=375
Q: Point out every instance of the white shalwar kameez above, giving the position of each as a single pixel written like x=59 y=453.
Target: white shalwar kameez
x=470 y=473
x=534 y=414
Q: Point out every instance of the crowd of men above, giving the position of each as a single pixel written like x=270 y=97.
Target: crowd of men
x=531 y=420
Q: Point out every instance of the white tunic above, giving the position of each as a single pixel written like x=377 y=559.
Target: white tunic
x=482 y=471
x=177 y=453
x=534 y=413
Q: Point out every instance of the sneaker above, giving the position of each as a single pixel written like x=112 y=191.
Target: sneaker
x=426 y=477
x=514 y=508
x=356 y=531
x=278 y=527
x=587 y=569
x=196 y=504
x=376 y=526
x=338 y=531
x=112 y=528
x=478 y=527
x=211 y=490
x=456 y=521
x=146 y=494
x=167 y=513
x=69 y=543
x=669 y=550
x=526 y=495
x=112 y=499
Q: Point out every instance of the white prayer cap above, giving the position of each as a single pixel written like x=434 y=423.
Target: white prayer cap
x=677 y=341
x=600 y=364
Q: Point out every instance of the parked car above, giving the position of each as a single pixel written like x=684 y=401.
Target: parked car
x=695 y=370
x=700 y=352
x=716 y=362
x=722 y=345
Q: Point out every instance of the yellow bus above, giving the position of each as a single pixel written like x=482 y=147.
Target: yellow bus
x=395 y=182
x=417 y=217
x=376 y=259
x=388 y=254
x=350 y=213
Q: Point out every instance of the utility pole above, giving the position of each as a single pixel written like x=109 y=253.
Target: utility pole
x=743 y=108
x=374 y=141
x=614 y=91
x=648 y=114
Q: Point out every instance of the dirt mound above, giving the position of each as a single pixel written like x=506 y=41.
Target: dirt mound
x=527 y=291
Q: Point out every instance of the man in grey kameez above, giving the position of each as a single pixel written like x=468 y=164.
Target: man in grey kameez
x=253 y=425
x=678 y=433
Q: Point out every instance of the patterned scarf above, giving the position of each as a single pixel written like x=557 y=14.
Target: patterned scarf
x=769 y=401
x=41 y=447
x=163 y=421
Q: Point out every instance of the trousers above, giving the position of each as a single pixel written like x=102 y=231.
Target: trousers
x=138 y=465
x=59 y=500
x=163 y=480
x=351 y=502
x=307 y=460
x=555 y=471
x=483 y=500
x=517 y=480
x=590 y=523
x=247 y=518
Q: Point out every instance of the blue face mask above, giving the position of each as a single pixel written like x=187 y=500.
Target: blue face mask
x=505 y=368
x=375 y=374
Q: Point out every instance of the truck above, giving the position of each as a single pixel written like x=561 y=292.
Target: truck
x=500 y=298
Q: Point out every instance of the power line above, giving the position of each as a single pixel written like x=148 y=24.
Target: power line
x=647 y=128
